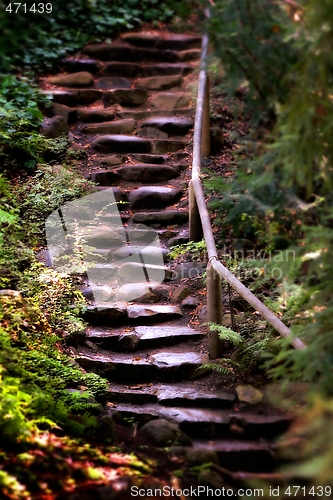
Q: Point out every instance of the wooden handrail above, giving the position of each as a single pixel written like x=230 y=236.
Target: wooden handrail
x=200 y=224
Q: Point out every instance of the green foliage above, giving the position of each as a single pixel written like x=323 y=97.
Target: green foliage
x=20 y=116
x=251 y=343
x=36 y=377
x=253 y=41
x=37 y=39
x=281 y=195
x=48 y=189
x=196 y=250
x=224 y=366
x=226 y=334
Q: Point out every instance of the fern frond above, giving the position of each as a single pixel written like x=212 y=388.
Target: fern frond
x=226 y=333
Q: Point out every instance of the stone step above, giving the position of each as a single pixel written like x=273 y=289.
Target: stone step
x=75 y=65
x=115 y=313
x=124 y=53
x=103 y=247
x=143 y=337
x=176 y=125
x=143 y=114
x=125 y=126
x=183 y=394
x=173 y=42
x=147 y=173
x=127 y=144
x=121 y=144
x=189 y=55
x=150 y=292
x=75 y=97
x=136 y=70
x=125 y=97
x=152 y=159
x=113 y=82
x=237 y=455
x=153 y=197
x=171 y=100
x=80 y=79
x=209 y=423
x=133 y=272
x=150 y=254
x=168 y=217
x=144 y=173
x=159 y=82
x=166 y=365
x=105 y=115
x=128 y=273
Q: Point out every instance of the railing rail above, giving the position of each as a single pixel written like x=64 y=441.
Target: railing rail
x=200 y=225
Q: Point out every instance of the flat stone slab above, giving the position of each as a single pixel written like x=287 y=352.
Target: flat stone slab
x=148 y=337
x=121 y=144
x=134 y=272
x=187 y=395
x=154 y=197
x=142 y=114
x=146 y=173
x=159 y=82
x=126 y=126
x=111 y=160
x=122 y=69
x=165 y=332
x=171 y=100
x=113 y=82
x=74 y=97
x=150 y=254
x=151 y=133
x=171 y=125
x=136 y=70
x=167 y=217
x=189 y=55
x=114 y=52
x=151 y=159
x=98 y=293
x=102 y=273
x=143 y=292
x=96 y=115
x=141 y=312
x=101 y=237
x=105 y=314
x=190 y=417
x=69 y=114
x=183 y=394
x=174 y=42
x=167 y=145
x=135 y=367
x=77 y=65
x=79 y=79
x=125 y=97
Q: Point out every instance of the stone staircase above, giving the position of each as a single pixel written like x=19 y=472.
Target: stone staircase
x=131 y=110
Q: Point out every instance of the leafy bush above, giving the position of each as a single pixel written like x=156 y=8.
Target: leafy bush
x=37 y=39
x=36 y=376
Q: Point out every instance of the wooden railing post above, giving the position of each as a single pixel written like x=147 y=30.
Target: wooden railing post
x=214 y=308
x=195 y=226
x=205 y=137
